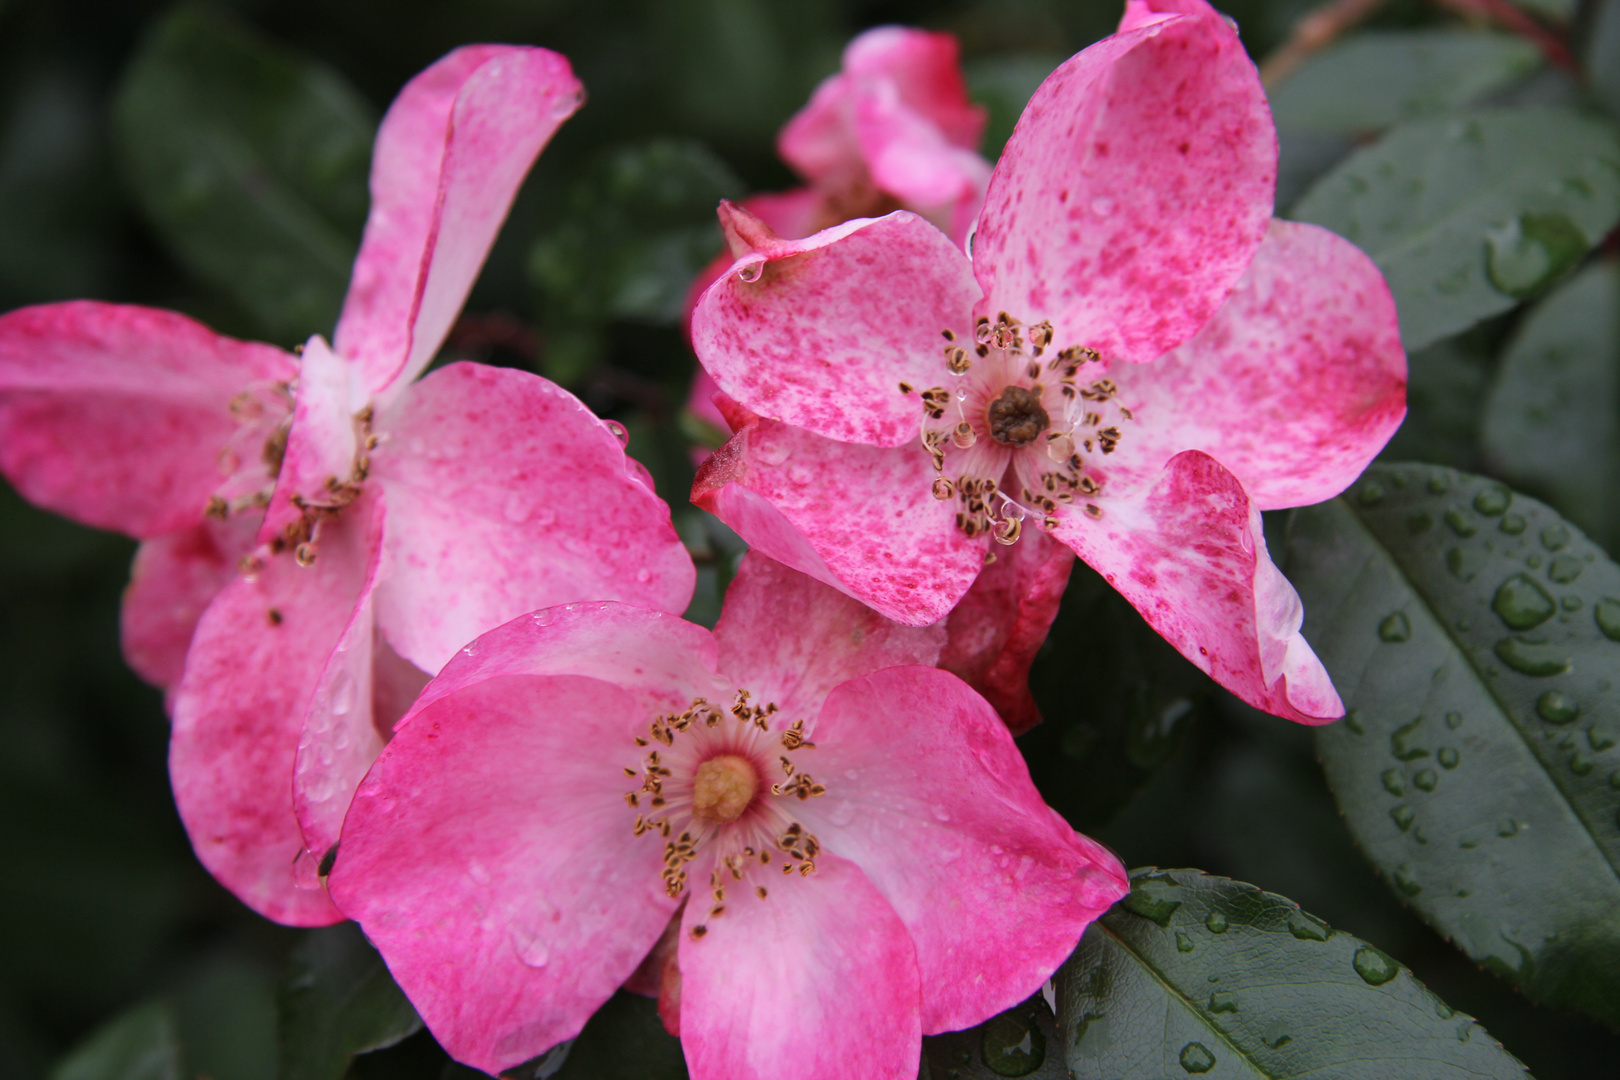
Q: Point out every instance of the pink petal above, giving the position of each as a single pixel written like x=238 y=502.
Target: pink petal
x=1190 y=554
x=489 y=856
x=119 y=416
x=791 y=214
x=172 y=581
x=450 y=157
x=928 y=795
x=660 y=660
x=790 y=639
x=339 y=733
x=925 y=67
x=862 y=519
x=819 y=142
x=321 y=444
x=835 y=323
x=996 y=629
x=505 y=495
x=1294 y=386
x=1135 y=189
x=913 y=160
x=816 y=982
x=255 y=660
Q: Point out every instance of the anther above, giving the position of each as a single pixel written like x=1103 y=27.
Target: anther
x=305 y=554
x=1007 y=530
x=943 y=488
x=964 y=436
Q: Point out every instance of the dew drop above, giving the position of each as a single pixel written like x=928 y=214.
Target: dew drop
x=530 y=947
x=1557 y=707
x=1600 y=737
x=1580 y=764
x=1522 y=604
x=1405 y=881
x=1564 y=569
x=800 y=474
x=1391 y=779
x=1513 y=524
x=775 y=453
x=1395 y=628
x=1371 y=494
x=1404 y=815
x=1374 y=967
x=1215 y=922
x=1425 y=780
x=1183 y=942
x=1493 y=500
x=1403 y=742
x=1529 y=658
x=1196 y=1058
x=1223 y=1001
x=1554 y=537
x=1307 y=928
x=1528 y=252
x=1012 y=1045
x=1607 y=614
x=1449 y=758
x=750 y=272
x=643 y=575
x=1152 y=899
x=941 y=814
x=1419 y=523
x=1102 y=206
x=1461 y=523
x=1454 y=720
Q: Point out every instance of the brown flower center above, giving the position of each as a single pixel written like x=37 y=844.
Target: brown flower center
x=723 y=789
x=1016 y=417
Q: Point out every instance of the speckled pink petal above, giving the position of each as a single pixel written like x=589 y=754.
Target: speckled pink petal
x=170 y=584
x=996 y=629
x=927 y=793
x=254 y=662
x=926 y=68
x=506 y=494
x=913 y=161
x=1294 y=386
x=450 y=156
x=863 y=519
x=1190 y=555
x=792 y=215
x=489 y=857
x=661 y=661
x=1135 y=189
x=119 y=416
x=321 y=444
x=790 y=639
x=834 y=324
x=819 y=142
x=818 y=981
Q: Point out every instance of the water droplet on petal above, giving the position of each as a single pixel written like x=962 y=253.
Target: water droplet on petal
x=619 y=431
x=941 y=814
x=530 y=946
x=643 y=575
x=1102 y=206
x=842 y=813
x=775 y=453
x=751 y=272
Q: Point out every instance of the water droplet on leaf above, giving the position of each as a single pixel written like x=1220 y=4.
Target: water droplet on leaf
x=1557 y=707
x=1448 y=757
x=1152 y=899
x=1223 y=1001
x=1403 y=742
x=1183 y=942
x=1395 y=628
x=1522 y=604
x=1554 y=537
x=1493 y=500
x=1530 y=658
x=1461 y=523
x=1216 y=922
x=1196 y=1058
x=1564 y=569
x=1425 y=780
x=1374 y=967
x=1523 y=256
x=1404 y=816
x=1012 y=1045
x=1371 y=494
x=1391 y=779
x=1307 y=928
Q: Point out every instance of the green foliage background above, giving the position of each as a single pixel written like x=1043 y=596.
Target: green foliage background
x=213 y=159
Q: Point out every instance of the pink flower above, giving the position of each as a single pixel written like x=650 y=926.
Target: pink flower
x=1136 y=361
x=405 y=517
x=850 y=841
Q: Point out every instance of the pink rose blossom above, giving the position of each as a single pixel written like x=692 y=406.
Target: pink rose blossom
x=848 y=838
x=1135 y=361
x=379 y=525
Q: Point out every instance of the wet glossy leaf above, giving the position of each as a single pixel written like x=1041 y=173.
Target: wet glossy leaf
x=1196 y=974
x=1468 y=215
x=1372 y=80
x=1445 y=392
x=138 y=1045
x=337 y=1000
x=625 y=1040
x=1552 y=421
x=1105 y=736
x=251 y=163
x=1475 y=637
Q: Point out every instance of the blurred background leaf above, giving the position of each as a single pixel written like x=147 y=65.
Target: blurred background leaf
x=336 y=1000
x=251 y=163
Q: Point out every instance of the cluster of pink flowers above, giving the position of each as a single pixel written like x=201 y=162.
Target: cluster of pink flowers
x=420 y=635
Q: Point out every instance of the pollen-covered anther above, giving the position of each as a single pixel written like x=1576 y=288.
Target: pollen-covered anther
x=724 y=789
x=964 y=436
x=943 y=488
x=1008 y=530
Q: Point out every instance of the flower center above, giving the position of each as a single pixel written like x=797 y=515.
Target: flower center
x=708 y=793
x=724 y=787
x=1016 y=417
x=1019 y=431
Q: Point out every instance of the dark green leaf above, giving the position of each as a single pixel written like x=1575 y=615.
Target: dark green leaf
x=226 y=1009
x=337 y=1000
x=625 y=1040
x=1372 y=80
x=1445 y=392
x=1468 y=215
x=1475 y=637
x=1555 y=11
x=1101 y=741
x=1195 y=974
x=1023 y=1041
x=1603 y=55
x=640 y=226
x=251 y=163
x=138 y=1045
x=1552 y=421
